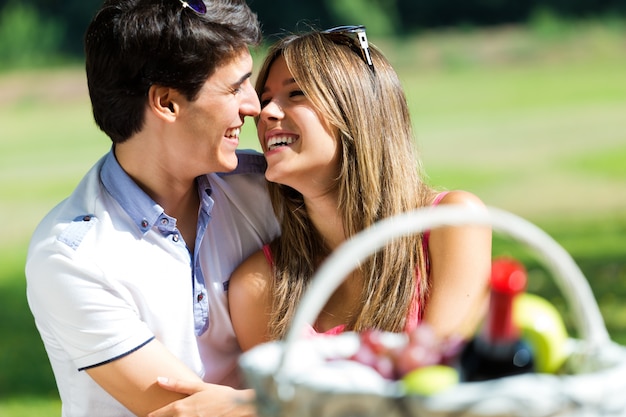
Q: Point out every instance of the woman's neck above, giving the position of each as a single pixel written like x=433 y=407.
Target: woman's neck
x=343 y=304
x=324 y=213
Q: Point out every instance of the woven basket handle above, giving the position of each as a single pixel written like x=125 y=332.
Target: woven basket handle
x=568 y=277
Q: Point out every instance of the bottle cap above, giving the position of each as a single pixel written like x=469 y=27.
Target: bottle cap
x=508 y=276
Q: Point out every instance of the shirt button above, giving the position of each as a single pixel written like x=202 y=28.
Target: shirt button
x=175 y=238
x=87 y=218
x=164 y=221
x=144 y=223
x=200 y=297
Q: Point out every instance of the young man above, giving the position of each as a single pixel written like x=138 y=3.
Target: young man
x=127 y=277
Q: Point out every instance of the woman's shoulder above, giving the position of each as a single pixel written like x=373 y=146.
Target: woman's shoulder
x=252 y=274
x=249 y=300
x=461 y=197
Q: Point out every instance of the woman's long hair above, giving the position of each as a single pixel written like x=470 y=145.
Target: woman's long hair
x=379 y=176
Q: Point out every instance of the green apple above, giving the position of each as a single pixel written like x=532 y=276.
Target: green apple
x=429 y=380
x=543 y=329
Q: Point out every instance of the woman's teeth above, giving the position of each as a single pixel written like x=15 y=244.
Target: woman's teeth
x=279 y=141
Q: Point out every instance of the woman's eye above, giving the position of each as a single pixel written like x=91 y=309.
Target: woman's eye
x=296 y=93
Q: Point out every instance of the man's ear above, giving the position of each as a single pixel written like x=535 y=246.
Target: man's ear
x=163 y=102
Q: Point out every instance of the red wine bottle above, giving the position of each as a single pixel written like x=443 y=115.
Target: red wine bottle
x=498 y=350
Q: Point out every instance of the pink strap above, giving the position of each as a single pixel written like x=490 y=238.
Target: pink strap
x=415 y=311
x=436 y=202
x=268 y=254
x=310 y=332
x=440 y=197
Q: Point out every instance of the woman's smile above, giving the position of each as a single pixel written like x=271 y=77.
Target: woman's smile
x=280 y=140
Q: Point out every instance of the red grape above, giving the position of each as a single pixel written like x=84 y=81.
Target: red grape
x=421 y=348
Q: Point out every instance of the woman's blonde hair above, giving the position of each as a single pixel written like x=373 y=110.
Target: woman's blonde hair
x=379 y=176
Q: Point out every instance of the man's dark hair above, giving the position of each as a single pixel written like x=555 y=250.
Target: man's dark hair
x=133 y=44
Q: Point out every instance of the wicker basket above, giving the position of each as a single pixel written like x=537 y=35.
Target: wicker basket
x=295 y=378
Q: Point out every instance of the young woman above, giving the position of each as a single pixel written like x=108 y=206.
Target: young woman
x=336 y=133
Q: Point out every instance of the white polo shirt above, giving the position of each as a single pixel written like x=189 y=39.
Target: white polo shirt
x=107 y=271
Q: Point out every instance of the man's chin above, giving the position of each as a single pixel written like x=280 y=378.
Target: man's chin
x=228 y=164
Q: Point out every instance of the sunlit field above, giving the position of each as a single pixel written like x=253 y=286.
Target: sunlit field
x=533 y=121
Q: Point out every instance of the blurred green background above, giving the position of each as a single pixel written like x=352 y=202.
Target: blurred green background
x=520 y=102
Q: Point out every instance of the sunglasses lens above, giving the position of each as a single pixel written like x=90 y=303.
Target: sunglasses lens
x=345 y=29
x=197 y=6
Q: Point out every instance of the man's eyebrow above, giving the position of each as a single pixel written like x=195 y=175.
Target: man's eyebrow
x=243 y=79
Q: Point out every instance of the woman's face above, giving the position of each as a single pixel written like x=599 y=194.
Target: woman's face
x=300 y=147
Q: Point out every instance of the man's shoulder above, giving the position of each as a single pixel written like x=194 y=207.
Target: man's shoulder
x=247 y=182
x=75 y=216
x=244 y=191
x=250 y=162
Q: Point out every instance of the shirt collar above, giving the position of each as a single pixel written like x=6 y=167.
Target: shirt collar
x=204 y=188
x=143 y=211
x=249 y=162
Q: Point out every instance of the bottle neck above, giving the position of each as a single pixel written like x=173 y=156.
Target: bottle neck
x=500 y=327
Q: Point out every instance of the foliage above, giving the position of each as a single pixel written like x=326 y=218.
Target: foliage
x=380 y=15
x=57 y=27
x=26 y=39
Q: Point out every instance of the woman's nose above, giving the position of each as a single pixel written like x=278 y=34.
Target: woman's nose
x=272 y=110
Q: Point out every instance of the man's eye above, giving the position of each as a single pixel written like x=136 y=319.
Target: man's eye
x=265 y=103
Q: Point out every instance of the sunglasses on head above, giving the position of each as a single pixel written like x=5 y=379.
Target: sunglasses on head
x=359 y=30
x=197 y=6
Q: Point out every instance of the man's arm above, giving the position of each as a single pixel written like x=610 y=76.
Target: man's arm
x=131 y=379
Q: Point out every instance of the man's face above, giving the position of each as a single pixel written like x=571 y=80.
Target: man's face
x=211 y=124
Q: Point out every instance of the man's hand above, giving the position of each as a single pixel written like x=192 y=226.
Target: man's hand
x=205 y=400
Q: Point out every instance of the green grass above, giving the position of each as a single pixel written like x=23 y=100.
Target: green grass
x=26 y=382
x=30 y=406
x=531 y=123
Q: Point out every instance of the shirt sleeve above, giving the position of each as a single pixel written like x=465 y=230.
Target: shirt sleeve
x=78 y=310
